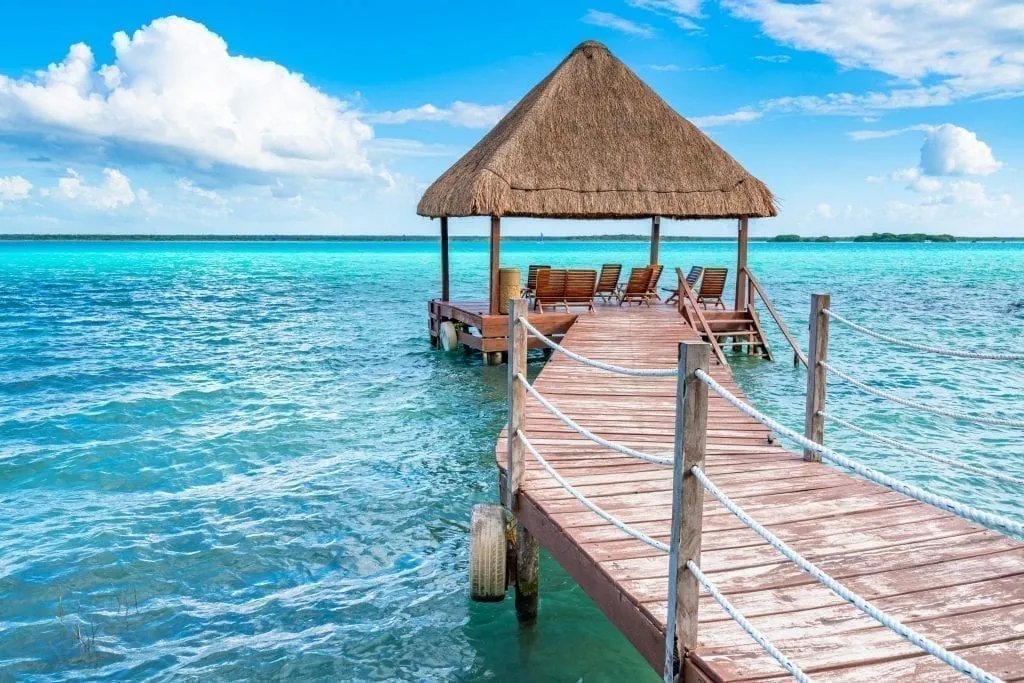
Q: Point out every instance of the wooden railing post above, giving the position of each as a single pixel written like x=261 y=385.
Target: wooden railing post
x=527 y=547
x=817 y=352
x=687 y=505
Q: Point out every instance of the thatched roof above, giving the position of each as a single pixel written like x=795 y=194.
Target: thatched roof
x=594 y=141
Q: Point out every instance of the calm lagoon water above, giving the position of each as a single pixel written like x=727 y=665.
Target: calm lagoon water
x=220 y=461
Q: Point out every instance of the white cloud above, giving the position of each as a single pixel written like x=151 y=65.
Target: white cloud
x=967 y=47
x=774 y=59
x=113 y=192
x=879 y=134
x=467 y=114
x=741 y=116
x=617 y=23
x=664 y=67
x=681 y=12
x=189 y=187
x=174 y=92
x=14 y=188
x=823 y=211
x=952 y=150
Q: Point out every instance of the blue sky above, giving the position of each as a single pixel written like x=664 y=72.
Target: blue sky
x=191 y=117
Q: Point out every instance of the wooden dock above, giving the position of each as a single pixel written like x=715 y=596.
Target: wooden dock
x=951 y=581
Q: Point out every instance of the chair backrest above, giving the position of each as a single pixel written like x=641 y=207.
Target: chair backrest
x=531 y=276
x=652 y=283
x=638 y=281
x=713 y=284
x=550 y=284
x=580 y=284
x=694 y=275
x=609 y=277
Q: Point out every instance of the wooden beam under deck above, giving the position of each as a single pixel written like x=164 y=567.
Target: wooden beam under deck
x=946 y=578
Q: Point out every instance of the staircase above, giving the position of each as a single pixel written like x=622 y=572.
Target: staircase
x=738 y=328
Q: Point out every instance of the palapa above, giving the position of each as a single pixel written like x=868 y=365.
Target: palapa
x=592 y=140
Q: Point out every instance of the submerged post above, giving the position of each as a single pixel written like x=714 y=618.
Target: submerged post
x=527 y=547
x=687 y=506
x=817 y=352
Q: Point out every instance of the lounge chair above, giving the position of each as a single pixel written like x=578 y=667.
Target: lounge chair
x=636 y=289
x=652 y=284
x=579 y=288
x=608 y=282
x=550 y=288
x=712 y=285
x=531 y=280
x=691 y=279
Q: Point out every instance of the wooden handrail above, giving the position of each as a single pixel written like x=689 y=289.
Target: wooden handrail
x=684 y=288
x=797 y=353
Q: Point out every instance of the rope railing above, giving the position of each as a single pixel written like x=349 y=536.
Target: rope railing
x=691 y=566
x=632 y=372
x=745 y=624
x=587 y=503
x=927 y=645
x=924 y=454
x=985 y=519
x=924 y=407
x=583 y=431
x=977 y=355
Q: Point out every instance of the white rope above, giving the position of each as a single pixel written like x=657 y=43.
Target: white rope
x=929 y=646
x=634 y=372
x=923 y=347
x=729 y=609
x=579 y=429
x=895 y=398
x=611 y=519
x=985 y=519
x=924 y=454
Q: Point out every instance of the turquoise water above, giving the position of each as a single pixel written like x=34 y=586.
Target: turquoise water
x=221 y=461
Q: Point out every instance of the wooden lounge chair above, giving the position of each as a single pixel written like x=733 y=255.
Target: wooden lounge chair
x=636 y=287
x=691 y=279
x=579 y=288
x=712 y=285
x=652 y=284
x=608 y=283
x=531 y=280
x=550 y=288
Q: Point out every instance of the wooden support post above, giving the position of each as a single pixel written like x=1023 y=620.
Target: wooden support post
x=527 y=546
x=495 y=264
x=687 y=506
x=817 y=352
x=655 y=238
x=741 y=264
x=444 y=259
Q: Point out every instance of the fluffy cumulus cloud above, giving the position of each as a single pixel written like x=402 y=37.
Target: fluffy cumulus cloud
x=615 y=22
x=112 y=192
x=14 y=188
x=952 y=150
x=467 y=114
x=175 y=93
x=965 y=48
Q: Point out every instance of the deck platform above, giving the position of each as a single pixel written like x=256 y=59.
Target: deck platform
x=946 y=578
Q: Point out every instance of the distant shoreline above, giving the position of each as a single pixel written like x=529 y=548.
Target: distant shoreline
x=782 y=239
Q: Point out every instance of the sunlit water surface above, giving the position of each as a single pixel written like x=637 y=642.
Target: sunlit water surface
x=244 y=460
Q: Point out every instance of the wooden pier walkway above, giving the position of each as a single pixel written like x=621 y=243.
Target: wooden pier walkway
x=949 y=580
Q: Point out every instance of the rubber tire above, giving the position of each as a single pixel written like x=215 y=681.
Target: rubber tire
x=487 y=553
x=447 y=337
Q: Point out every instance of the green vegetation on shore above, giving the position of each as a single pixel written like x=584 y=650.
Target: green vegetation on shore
x=624 y=237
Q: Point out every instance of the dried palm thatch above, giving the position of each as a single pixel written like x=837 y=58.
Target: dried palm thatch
x=594 y=141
